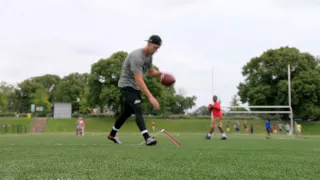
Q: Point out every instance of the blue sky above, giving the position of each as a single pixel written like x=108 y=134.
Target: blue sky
x=60 y=37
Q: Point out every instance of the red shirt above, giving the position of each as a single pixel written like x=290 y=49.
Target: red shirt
x=217 y=112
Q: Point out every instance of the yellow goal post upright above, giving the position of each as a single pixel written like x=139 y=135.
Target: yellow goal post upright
x=278 y=109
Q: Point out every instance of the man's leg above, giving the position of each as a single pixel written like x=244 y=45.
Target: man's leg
x=212 y=127
x=125 y=114
x=268 y=132
x=223 y=134
x=133 y=101
x=137 y=107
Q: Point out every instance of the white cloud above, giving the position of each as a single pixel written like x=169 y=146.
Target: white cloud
x=60 y=37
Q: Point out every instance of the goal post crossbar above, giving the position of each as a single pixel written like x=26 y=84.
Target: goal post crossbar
x=257 y=107
x=289 y=106
x=258 y=112
x=249 y=110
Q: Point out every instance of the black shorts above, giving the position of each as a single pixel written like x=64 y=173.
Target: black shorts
x=132 y=99
x=280 y=130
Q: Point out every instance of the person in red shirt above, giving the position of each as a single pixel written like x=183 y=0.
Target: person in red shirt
x=275 y=129
x=216 y=119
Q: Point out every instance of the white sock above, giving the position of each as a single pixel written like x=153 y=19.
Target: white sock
x=223 y=134
x=209 y=134
x=115 y=129
x=144 y=131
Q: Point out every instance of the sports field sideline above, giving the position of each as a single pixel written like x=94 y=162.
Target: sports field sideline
x=66 y=156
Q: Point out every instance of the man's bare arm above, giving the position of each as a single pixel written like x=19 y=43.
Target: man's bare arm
x=154 y=73
x=141 y=84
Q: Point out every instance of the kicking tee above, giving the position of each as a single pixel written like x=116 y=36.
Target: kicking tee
x=136 y=61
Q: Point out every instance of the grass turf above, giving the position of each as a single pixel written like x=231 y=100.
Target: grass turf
x=66 y=156
x=177 y=125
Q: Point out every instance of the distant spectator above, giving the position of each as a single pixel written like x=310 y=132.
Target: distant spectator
x=82 y=126
x=298 y=129
x=280 y=127
x=245 y=126
x=288 y=128
x=79 y=125
x=227 y=128
x=251 y=129
x=268 y=128
x=237 y=125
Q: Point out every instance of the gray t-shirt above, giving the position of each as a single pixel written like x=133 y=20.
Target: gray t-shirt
x=136 y=61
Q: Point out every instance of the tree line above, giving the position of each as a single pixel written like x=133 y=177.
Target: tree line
x=265 y=83
x=86 y=91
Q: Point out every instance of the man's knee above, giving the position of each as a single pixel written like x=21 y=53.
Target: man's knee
x=137 y=109
x=212 y=124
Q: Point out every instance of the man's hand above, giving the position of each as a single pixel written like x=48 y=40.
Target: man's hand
x=140 y=82
x=154 y=102
x=214 y=107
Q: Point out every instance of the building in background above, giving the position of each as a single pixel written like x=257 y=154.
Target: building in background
x=62 y=110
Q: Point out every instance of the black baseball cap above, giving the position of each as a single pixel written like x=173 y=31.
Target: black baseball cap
x=155 y=39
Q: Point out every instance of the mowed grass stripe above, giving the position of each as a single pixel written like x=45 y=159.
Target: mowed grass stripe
x=64 y=156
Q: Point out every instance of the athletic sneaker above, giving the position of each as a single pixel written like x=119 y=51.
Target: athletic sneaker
x=207 y=137
x=224 y=138
x=151 y=141
x=114 y=139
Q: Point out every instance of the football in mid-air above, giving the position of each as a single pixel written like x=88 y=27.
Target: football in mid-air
x=167 y=79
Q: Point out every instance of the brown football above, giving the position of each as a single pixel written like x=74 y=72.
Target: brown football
x=167 y=79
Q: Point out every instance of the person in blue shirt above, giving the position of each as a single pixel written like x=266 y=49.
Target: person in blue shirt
x=268 y=128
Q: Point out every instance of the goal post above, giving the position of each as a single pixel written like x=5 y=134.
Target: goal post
x=278 y=108
x=261 y=107
x=252 y=110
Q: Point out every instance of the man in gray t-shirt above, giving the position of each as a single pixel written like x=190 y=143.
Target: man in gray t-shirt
x=131 y=83
x=135 y=62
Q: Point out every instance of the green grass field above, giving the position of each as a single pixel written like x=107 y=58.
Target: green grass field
x=66 y=156
x=177 y=125
x=59 y=154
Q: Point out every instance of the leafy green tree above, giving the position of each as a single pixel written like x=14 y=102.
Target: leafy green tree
x=41 y=99
x=203 y=110
x=235 y=102
x=70 y=88
x=103 y=89
x=24 y=94
x=3 y=102
x=266 y=80
x=84 y=104
x=103 y=82
x=6 y=97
